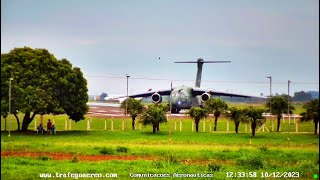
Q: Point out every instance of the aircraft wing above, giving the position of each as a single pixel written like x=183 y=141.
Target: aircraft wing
x=198 y=91
x=165 y=92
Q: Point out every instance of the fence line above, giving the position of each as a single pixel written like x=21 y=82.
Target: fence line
x=296 y=125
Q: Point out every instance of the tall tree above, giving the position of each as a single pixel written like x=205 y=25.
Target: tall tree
x=279 y=105
x=42 y=85
x=217 y=106
x=197 y=114
x=302 y=96
x=311 y=113
x=236 y=115
x=254 y=115
x=135 y=107
x=154 y=114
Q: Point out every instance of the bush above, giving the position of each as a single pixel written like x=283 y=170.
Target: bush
x=213 y=167
x=122 y=149
x=226 y=150
x=253 y=162
x=44 y=158
x=263 y=148
x=170 y=158
x=106 y=151
x=74 y=159
x=157 y=164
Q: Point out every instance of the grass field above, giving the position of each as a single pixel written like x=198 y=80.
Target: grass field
x=63 y=123
x=220 y=154
x=187 y=152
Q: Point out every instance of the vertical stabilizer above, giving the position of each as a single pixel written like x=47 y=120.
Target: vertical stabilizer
x=199 y=70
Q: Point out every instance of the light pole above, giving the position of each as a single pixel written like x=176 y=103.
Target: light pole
x=288 y=111
x=270 y=98
x=171 y=99
x=10 y=79
x=288 y=103
x=127 y=95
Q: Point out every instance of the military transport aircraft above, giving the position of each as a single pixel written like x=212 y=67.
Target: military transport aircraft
x=185 y=97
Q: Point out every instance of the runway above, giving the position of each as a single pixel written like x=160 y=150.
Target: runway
x=105 y=110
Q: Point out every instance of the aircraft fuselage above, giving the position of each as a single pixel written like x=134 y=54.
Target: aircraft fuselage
x=182 y=98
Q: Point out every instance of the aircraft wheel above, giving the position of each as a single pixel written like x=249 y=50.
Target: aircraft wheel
x=175 y=110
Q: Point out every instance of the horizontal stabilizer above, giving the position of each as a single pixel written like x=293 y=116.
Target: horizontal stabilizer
x=202 y=61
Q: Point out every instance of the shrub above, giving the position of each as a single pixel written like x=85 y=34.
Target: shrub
x=122 y=149
x=226 y=150
x=74 y=159
x=213 y=167
x=157 y=164
x=253 y=162
x=263 y=148
x=44 y=158
x=171 y=158
x=106 y=151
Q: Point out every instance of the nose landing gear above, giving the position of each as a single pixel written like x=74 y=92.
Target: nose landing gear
x=175 y=110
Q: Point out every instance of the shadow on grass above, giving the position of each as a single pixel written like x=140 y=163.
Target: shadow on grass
x=34 y=133
x=158 y=133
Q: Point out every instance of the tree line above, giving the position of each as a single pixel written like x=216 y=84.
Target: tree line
x=156 y=113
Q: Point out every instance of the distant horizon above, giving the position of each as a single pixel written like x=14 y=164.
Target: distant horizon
x=93 y=95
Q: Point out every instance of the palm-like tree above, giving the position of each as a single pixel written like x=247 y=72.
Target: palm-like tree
x=154 y=114
x=197 y=114
x=255 y=116
x=135 y=107
x=237 y=115
x=217 y=106
x=311 y=113
x=279 y=105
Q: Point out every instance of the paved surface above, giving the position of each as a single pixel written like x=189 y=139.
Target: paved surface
x=113 y=110
x=105 y=111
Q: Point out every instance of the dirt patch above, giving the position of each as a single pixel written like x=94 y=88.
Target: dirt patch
x=65 y=156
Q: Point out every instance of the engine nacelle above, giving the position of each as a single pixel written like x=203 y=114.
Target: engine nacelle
x=205 y=97
x=156 y=98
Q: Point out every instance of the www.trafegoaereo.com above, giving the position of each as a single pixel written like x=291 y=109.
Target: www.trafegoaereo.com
x=78 y=175
x=115 y=175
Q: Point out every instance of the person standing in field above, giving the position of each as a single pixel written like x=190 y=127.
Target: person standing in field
x=53 y=128
x=40 y=129
x=49 y=127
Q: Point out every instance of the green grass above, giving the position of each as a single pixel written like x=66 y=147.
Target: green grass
x=175 y=151
x=216 y=153
x=28 y=168
x=62 y=123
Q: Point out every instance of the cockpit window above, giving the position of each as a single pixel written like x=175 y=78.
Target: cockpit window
x=178 y=94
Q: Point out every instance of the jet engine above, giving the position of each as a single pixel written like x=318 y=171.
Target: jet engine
x=156 y=98
x=205 y=97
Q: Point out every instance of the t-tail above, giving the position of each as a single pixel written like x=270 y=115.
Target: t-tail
x=199 y=70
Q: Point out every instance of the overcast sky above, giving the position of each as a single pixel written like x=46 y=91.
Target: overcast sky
x=108 y=39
